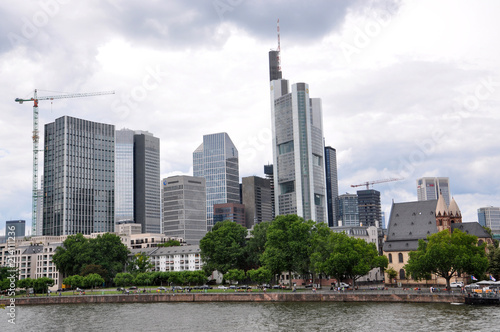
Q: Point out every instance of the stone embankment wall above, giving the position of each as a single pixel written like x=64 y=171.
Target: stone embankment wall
x=236 y=297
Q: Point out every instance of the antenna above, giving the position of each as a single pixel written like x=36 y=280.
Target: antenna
x=279 y=47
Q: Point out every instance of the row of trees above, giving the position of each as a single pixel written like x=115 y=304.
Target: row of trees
x=39 y=285
x=91 y=280
x=160 y=278
x=288 y=244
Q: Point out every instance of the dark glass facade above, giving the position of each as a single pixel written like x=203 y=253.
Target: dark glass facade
x=332 y=187
x=79 y=178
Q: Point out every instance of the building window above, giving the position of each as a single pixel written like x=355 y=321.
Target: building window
x=400 y=256
x=402 y=274
x=390 y=258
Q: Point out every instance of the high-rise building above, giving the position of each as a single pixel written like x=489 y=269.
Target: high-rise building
x=147 y=200
x=369 y=208
x=184 y=208
x=274 y=65
x=216 y=160
x=137 y=179
x=79 y=177
x=234 y=212
x=428 y=188
x=39 y=212
x=489 y=217
x=332 y=186
x=347 y=210
x=16 y=227
x=298 y=152
x=256 y=196
x=269 y=173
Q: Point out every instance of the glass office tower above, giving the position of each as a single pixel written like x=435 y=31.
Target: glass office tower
x=216 y=160
x=79 y=177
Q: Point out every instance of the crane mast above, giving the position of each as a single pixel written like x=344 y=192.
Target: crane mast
x=36 y=139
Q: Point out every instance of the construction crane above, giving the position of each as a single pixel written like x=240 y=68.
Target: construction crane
x=368 y=183
x=36 y=138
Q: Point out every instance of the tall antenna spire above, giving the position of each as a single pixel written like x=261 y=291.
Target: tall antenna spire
x=279 y=46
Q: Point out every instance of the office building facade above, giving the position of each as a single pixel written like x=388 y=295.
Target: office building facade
x=137 y=179
x=489 y=217
x=269 y=173
x=184 y=208
x=79 y=178
x=15 y=228
x=428 y=188
x=257 y=199
x=216 y=160
x=347 y=210
x=298 y=152
x=234 y=212
x=369 y=208
x=332 y=186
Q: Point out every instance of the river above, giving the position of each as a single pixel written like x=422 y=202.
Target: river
x=226 y=316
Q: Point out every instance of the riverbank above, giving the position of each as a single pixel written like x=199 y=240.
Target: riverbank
x=242 y=297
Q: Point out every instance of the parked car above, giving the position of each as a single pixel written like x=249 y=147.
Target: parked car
x=343 y=285
x=177 y=288
x=276 y=286
x=161 y=288
x=265 y=286
x=223 y=287
x=132 y=288
x=206 y=287
x=244 y=287
x=233 y=287
x=120 y=289
x=458 y=284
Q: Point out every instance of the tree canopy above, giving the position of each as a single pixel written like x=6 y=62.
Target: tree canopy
x=445 y=254
x=77 y=252
x=223 y=248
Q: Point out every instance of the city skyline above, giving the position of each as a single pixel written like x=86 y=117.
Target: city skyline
x=400 y=98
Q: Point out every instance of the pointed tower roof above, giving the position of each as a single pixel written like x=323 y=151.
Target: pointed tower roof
x=441 y=208
x=454 y=210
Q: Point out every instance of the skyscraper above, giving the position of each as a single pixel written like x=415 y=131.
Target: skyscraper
x=79 y=177
x=489 y=217
x=369 y=208
x=428 y=188
x=347 y=210
x=137 y=179
x=147 y=186
x=216 y=160
x=256 y=196
x=269 y=172
x=298 y=151
x=332 y=186
x=184 y=208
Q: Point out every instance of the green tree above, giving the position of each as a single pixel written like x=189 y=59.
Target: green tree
x=256 y=244
x=489 y=231
x=260 y=275
x=345 y=257
x=93 y=268
x=6 y=275
x=77 y=252
x=445 y=254
x=161 y=278
x=223 y=248
x=74 y=282
x=41 y=285
x=391 y=273
x=235 y=275
x=287 y=245
x=140 y=263
x=25 y=283
x=92 y=280
x=177 y=278
x=144 y=279
x=494 y=261
x=170 y=243
x=196 y=277
x=123 y=279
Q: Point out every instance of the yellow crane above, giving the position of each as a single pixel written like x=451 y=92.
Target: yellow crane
x=36 y=139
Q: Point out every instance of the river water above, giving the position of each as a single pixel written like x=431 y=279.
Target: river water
x=226 y=316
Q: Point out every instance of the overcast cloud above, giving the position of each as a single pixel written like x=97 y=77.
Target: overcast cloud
x=409 y=89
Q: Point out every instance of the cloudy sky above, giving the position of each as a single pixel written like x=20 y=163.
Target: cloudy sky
x=409 y=88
